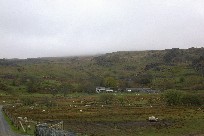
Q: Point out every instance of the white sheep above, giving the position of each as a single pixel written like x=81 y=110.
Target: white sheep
x=20 y=118
x=199 y=109
x=29 y=127
x=153 y=119
x=32 y=107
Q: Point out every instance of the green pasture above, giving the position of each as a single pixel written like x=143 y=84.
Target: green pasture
x=83 y=112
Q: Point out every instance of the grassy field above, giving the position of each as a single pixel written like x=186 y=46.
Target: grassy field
x=63 y=89
x=124 y=114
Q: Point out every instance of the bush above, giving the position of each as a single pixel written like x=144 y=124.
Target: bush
x=173 y=97
x=27 y=101
x=48 y=102
x=192 y=100
x=121 y=100
x=107 y=98
x=3 y=86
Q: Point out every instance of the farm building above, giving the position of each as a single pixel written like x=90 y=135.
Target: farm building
x=103 y=89
x=141 y=90
x=100 y=89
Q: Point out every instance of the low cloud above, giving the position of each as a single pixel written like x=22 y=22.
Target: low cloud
x=37 y=28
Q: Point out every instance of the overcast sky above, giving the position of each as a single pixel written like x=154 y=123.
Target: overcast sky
x=41 y=28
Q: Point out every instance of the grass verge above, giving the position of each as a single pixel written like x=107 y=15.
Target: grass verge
x=15 y=129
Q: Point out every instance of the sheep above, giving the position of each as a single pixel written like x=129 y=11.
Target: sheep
x=20 y=118
x=199 y=109
x=29 y=127
x=153 y=119
x=32 y=107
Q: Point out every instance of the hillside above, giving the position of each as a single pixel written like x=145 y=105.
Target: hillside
x=158 y=69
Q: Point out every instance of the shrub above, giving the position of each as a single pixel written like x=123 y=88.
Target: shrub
x=173 y=97
x=3 y=86
x=107 y=98
x=121 y=100
x=48 y=102
x=27 y=101
x=194 y=100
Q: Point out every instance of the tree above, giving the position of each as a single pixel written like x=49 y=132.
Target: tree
x=110 y=82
